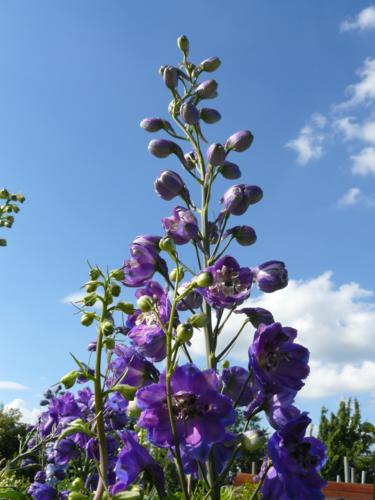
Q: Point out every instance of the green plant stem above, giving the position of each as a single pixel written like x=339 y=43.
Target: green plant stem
x=260 y=483
x=231 y=343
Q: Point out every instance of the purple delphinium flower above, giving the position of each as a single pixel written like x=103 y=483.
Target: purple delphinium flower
x=238 y=198
x=277 y=362
x=148 y=241
x=134 y=459
x=62 y=410
x=231 y=283
x=142 y=265
x=201 y=413
x=42 y=491
x=271 y=276
x=145 y=331
x=257 y=315
x=131 y=368
x=65 y=451
x=296 y=460
x=236 y=385
x=182 y=226
x=40 y=477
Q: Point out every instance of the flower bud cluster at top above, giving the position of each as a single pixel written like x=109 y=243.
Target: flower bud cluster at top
x=187 y=410
x=8 y=207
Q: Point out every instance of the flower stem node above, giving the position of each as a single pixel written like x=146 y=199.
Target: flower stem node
x=107 y=327
x=253 y=440
x=184 y=332
x=176 y=274
x=183 y=44
x=145 y=303
x=69 y=379
x=90 y=299
x=198 y=320
x=204 y=280
x=87 y=319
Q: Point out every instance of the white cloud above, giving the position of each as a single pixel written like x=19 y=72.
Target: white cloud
x=8 y=385
x=351 y=129
x=337 y=324
x=309 y=143
x=365 y=20
x=29 y=415
x=350 y=198
x=363 y=163
x=362 y=92
x=73 y=298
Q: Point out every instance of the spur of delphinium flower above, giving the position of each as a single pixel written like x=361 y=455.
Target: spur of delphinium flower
x=278 y=363
x=182 y=226
x=237 y=385
x=296 y=460
x=271 y=276
x=132 y=460
x=231 y=283
x=200 y=412
x=145 y=261
x=257 y=315
x=238 y=198
x=146 y=327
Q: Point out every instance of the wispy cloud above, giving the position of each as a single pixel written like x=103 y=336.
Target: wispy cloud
x=351 y=129
x=309 y=143
x=350 y=198
x=363 y=163
x=29 y=415
x=363 y=21
x=8 y=385
x=328 y=319
x=73 y=297
x=362 y=92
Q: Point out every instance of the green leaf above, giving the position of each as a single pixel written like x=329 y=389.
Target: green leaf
x=11 y=493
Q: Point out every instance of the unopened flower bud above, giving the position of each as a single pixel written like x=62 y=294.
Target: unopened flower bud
x=125 y=307
x=91 y=286
x=189 y=113
x=94 y=273
x=210 y=64
x=76 y=495
x=169 y=185
x=4 y=194
x=225 y=364
x=145 y=303
x=237 y=199
x=253 y=440
x=198 y=320
x=176 y=273
x=271 y=276
x=207 y=89
x=77 y=484
x=216 y=154
x=161 y=148
x=184 y=332
x=127 y=391
x=92 y=346
x=3 y=242
x=87 y=319
x=240 y=141
x=190 y=160
x=167 y=245
x=132 y=410
x=90 y=299
x=170 y=77
x=69 y=379
x=154 y=124
x=230 y=170
x=117 y=274
x=257 y=315
x=204 y=279
x=107 y=327
x=209 y=115
x=109 y=343
x=115 y=290
x=183 y=44
x=244 y=235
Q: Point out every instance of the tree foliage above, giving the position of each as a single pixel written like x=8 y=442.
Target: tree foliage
x=11 y=431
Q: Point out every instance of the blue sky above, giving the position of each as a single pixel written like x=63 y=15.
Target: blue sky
x=77 y=78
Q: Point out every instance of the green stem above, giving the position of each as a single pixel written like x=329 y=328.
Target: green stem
x=224 y=351
x=259 y=485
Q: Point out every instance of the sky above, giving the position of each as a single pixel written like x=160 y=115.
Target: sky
x=77 y=78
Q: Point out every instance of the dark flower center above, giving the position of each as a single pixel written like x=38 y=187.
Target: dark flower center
x=188 y=405
x=302 y=454
x=228 y=282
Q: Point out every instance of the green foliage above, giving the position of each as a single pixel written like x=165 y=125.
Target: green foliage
x=345 y=435
x=13 y=484
x=12 y=431
x=8 y=207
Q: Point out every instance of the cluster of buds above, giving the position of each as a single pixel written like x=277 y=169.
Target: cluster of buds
x=8 y=207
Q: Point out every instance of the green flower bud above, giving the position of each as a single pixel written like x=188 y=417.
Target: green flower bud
x=76 y=495
x=253 y=440
x=184 y=332
x=225 y=364
x=132 y=410
x=20 y=197
x=127 y=391
x=198 y=320
x=94 y=273
x=91 y=286
x=115 y=290
x=77 y=484
x=87 y=319
x=167 y=244
x=133 y=494
x=90 y=299
x=69 y=379
x=117 y=274
x=145 y=303
x=125 y=307
x=204 y=279
x=4 y=194
x=3 y=243
x=176 y=273
x=109 y=343
x=183 y=44
x=107 y=327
